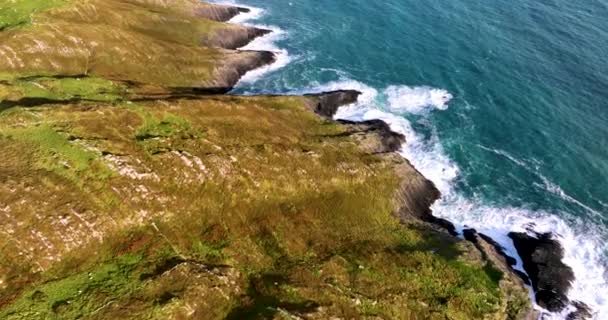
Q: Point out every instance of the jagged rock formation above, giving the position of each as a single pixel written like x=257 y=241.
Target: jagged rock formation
x=235 y=38
x=542 y=258
x=326 y=104
x=551 y=278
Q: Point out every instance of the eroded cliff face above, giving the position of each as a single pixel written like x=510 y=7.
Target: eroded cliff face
x=128 y=190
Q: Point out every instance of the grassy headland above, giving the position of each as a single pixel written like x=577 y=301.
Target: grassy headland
x=126 y=193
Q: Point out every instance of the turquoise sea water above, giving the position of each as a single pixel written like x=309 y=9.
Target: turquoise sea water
x=504 y=105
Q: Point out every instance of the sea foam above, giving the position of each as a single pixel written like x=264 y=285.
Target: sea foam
x=584 y=245
x=416 y=99
x=263 y=43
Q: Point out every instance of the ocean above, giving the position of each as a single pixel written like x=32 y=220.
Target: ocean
x=504 y=105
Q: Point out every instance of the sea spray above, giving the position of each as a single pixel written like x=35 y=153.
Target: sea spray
x=416 y=100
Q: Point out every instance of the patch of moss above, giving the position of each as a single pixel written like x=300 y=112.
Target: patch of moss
x=15 y=13
x=167 y=126
x=55 y=153
x=77 y=295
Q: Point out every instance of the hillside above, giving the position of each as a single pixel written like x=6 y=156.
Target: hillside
x=132 y=187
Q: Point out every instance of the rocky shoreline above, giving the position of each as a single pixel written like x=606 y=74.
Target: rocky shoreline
x=412 y=199
x=542 y=257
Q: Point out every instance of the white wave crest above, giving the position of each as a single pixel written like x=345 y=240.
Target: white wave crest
x=267 y=43
x=263 y=43
x=506 y=155
x=244 y=17
x=416 y=99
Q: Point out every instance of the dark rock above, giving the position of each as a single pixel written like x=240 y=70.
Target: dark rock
x=470 y=235
x=510 y=260
x=473 y=236
x=327 y=103
x=582 y=312
x=542 y=258
x=443 y=223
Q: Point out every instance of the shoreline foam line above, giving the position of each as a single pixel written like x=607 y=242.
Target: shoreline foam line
x=263 y=43
x=428 y=157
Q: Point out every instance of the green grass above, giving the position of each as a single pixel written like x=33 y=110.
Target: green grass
x=55 y=153
x=14 y=13
x=167 y=126
x=78 y=295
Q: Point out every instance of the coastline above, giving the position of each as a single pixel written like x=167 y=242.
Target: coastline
x=548 y=293
x=415 y=196
x=415 y=202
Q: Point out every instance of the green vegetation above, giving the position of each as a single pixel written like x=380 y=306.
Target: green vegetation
x=290 y=213
x=19 y=12
x=141 y=45
x=162 y=128
x=55 y=153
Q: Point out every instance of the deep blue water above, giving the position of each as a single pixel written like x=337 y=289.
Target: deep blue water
x=524 y=138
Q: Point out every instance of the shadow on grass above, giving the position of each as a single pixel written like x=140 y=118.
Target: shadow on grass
x=434 y=241
x=35 y=102
x=262 y=300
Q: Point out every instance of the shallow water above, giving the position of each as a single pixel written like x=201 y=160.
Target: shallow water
x=504 y=105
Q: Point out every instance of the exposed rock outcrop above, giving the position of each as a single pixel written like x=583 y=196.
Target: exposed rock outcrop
x=511 y=281
x=234 y=38
x=327 y=103
x=542 y=258
x=389 y=141
x=219 y=12
x=235 y=66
